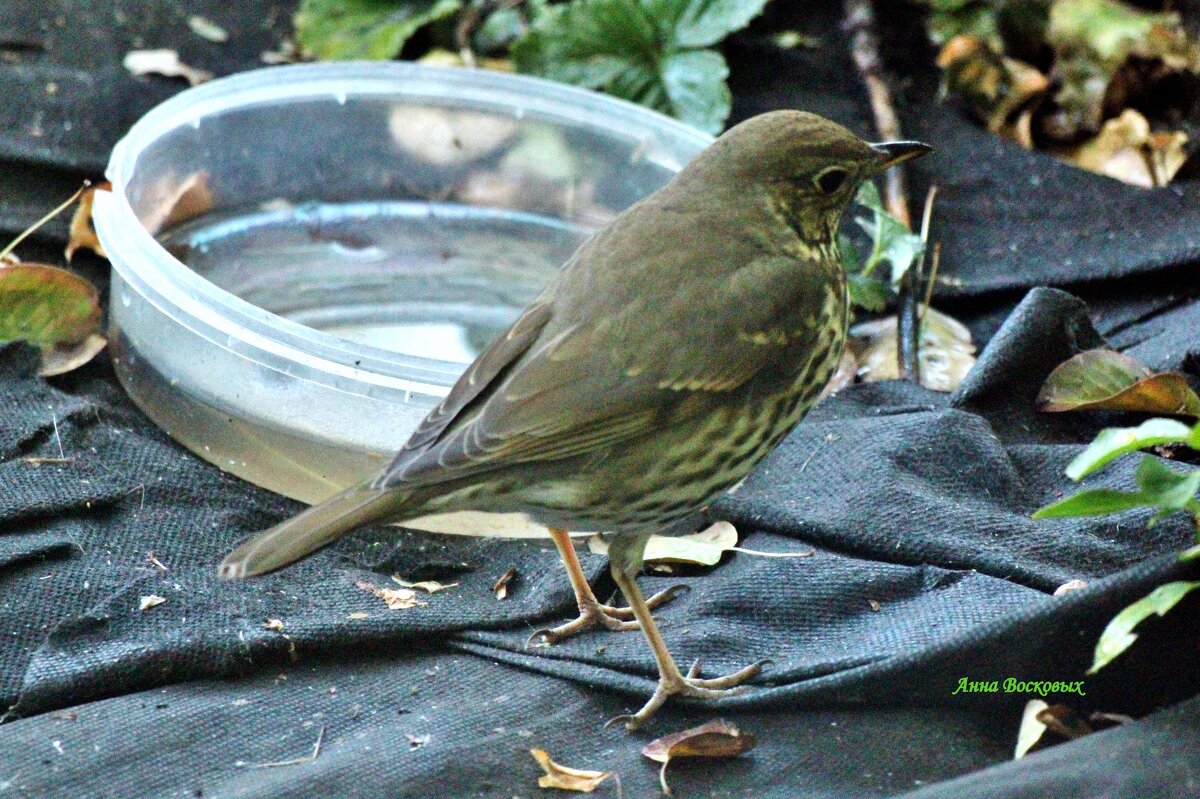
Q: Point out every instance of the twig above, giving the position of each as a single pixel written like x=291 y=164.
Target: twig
x=919 y=266
x=859 y=22
x=296 y=761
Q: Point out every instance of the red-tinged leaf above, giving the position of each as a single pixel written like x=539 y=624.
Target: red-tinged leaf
x=1109 y=381
x=715 y=739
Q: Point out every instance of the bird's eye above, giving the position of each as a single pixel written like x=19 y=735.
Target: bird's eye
x=832 y=179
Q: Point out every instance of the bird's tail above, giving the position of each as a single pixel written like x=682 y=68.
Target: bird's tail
x=310 y=530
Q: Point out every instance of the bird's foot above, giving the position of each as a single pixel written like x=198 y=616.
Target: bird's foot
x=594 y=614
x=690 y=685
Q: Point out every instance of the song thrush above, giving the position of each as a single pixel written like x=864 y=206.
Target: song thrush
x=675 y=348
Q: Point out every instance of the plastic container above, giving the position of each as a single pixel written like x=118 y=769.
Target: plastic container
x=306 y=257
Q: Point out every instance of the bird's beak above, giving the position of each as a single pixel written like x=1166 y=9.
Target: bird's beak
x=897 y=152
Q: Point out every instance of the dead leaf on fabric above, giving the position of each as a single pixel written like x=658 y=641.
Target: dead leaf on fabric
x=416 y=741
x=1069 y=586
x=428 y=586
x=82 y=234
x=207 y=29
x=1031 y=729
x=717 y=738
x=1126 y=149
x=566 y=778
x=1106 y=380
x=358 y=614
x=946 y=352
x=500 y=589
x=150 y=600
x=273 y=624
x=704 y=548
x=994 y=88
x=163 y=62
x=394 y=598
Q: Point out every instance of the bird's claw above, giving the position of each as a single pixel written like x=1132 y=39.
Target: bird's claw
x=690 y=686
x=599 y=615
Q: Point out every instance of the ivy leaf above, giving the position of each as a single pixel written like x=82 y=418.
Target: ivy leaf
x=1113 y=442
x=649 y=51
x=1119 y=635
x=369 y=29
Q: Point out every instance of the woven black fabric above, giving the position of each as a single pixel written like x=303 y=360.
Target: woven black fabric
x=916 y=501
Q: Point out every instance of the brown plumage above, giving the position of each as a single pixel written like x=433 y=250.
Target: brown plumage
x=669 y=355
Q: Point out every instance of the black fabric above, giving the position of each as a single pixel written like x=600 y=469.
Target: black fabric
x=916 y=501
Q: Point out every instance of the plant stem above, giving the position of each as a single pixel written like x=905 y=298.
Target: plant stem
x=859 y=23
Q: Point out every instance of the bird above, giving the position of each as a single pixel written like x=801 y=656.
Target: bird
x=671 y=352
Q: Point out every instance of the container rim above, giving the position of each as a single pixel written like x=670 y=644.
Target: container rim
x=272 y=340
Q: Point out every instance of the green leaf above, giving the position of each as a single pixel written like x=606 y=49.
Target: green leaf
x=1093 y=502
x=646 y=51
x=1113 y=442
x=1119 y=635
x=368 y=29
x=696 y=90
x=851 y=258
x=1102 y=379
x=869 y=293
x=1164 y=487
x=703 y=23
x=892 y=241
x=53 y=309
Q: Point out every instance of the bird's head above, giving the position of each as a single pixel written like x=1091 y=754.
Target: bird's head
x=807 y=167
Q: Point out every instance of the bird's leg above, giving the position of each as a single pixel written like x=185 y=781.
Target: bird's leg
x=625 y=558
x=591 y=612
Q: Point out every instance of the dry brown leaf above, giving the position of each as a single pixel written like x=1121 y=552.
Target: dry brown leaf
x=273 y=624
x=946 y=353
x=996 y=89
x=163 y=62
x=1106 y=380
x=428 y=586
x=500 y=589
x=1127 y=150
x=717 y=738
x=358 y=614
x=172 y=200
x=150 y=600
x=844 y=376
x=704 y=548
x=82 y=234
x=566 y=778
x=394 y=598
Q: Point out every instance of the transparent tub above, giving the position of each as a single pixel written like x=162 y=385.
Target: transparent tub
x=306 y=257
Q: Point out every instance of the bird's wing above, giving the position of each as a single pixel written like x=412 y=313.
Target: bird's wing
x=607 y=368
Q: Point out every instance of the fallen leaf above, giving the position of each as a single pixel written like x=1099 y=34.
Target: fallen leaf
x=1032 y=728
x=53 y=309
x=163 y=62
x=1127 y=150
x=565 y=778
x=358 y=614
x=394 y=598
x=874 y=603
x=1105 y=380
x=1069 y=586
x=416 y=741
x=83 y=233
x=207 y=29
x=717 y=738
x=993 y=87
x=172 y=200
x=946 y=350
x=1064 y=722
x=273 y=624
x=844 y=376
x=428 y=586
x=704 y=548
x=150 y=600
x=500 y=589
x=444 y=137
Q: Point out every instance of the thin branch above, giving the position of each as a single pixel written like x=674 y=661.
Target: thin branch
x=859 y=23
